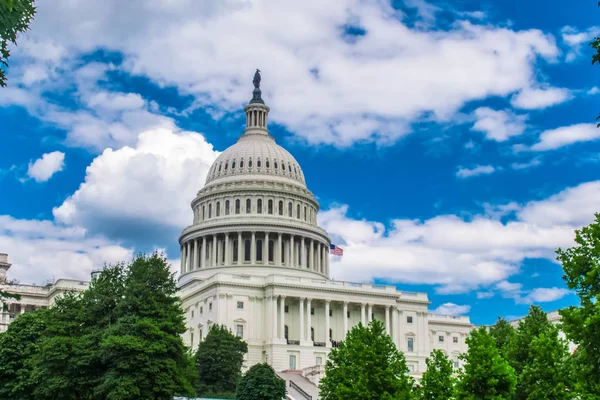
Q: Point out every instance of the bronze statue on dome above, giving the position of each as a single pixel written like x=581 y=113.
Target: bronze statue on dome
x=256 y=80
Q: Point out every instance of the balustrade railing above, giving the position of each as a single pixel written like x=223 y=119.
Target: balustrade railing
x=300 y=390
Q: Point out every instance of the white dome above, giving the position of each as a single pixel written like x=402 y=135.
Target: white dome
x=256 y=157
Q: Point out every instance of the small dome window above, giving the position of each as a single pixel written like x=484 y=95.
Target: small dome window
x=267 y=163
x=282 y=166
x=233 y=164
x=226 y=165
x=275 y=164
x=250 y=163
x=289 y=167
x=258 y=163
x=242 y=163
x=220 y=165
x=295 y=172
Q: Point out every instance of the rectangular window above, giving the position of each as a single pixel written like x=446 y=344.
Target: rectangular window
x=411 y=367
x=240 y=305
x=441 y=339
x=287 y=309
x=410 y=344
x=312 y=311
x=331 y=313
x=292 y=362
x=319 y=361
x=409 y=319
x=239 y=331
x=192 y=340
x=455 y=339
x=192 y=312
x=201 y=309
x=348 y=314
x=456 y=364
x=209 y=306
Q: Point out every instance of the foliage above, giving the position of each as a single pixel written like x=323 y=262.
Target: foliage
x=143 y=350
x=261 y=383
x=219 y=360
x=581 y=266
x=15 y=16
x=367 y=365
x=502 y=332
x=437 y=382
x=17 y=346
x=486 y=375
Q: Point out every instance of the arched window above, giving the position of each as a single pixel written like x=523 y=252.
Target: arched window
x=290 y=168
x=280 y=207
x=290 y=209
x=248 y=206
x=242 y=163
x=282 y=166
x=259 y=250
x=218 y=209
x=233 y=164
x=259 y=206
x=220 y=165
x=270 y=207
x=285 y=332
x=235 y=250
x=250 y=163
x=282 y=252
x=305 y=213
x=258 y=163
x=237 y=206
x=247 y=250
x=267 y=162
x=203 y=210
x=330 y=334
x=275 y=163
x=226 y=165
x=312 y=334
x=271 y=250
x=226 y=207
x=210 y=211
x=298 y=211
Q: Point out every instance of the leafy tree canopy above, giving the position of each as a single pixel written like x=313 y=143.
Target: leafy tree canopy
x=15 y=16
x=368 y=366
x=502 y=332
x=486 y=375
x=437 y=382
x=219 y=360
x=261 y=383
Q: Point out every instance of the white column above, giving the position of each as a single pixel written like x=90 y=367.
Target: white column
x=188 y=257
x=214 y=251
x=395 y=326
x=301 y=320
x=203 y=253
x=319 y=257
x=241 y=245
x=274 y=316
x=362 y=314
x=345 y=319
x=282 y=316
x=182 y=269
x=227 y=255
x=291 y=251
x=266 y=249
x=370 y=312
x=327 y=337
x=195 y=265
x=401 y=345
x=387 y=320
x=303 y=261
x=312 y=255
x=278 y=252
x=308 y=319
x=253 y=249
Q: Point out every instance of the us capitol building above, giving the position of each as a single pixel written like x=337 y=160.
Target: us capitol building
x=255 y=260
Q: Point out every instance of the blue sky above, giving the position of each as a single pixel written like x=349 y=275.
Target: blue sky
x=451 y=145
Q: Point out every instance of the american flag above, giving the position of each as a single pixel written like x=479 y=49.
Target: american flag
x=335 y=250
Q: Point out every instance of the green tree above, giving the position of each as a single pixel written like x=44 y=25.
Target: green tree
x=219 y=360
x=502 y=332
x=437 y=382
x=17 y=345
x=368 y=366
x=581 y=324
x=15 y=16
x=261 y=382
x=545 y=376
x=486 y=375
x=144 y=354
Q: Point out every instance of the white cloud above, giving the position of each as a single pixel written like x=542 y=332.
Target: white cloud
x=459 y=254
x=575 y=39
x=478 y=170
x=535 y=162
x=141 y=193
x=42 y=250
x=451 y=309
x=553 y=139
x=499 y=125
x=44 y=167
x=536 y=98
x=323 y=87
x=538 y=295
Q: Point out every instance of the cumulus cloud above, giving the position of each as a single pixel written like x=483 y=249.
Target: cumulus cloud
x=478 y=170
x=141 y=193
x=576 y=39
x=516 y=292
x=458 y=254
x=537 y=98
x=499 y=125
x=47 y=165
x=43 y=250
x=322 y=86
x=553 y=139
x=451 y=309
